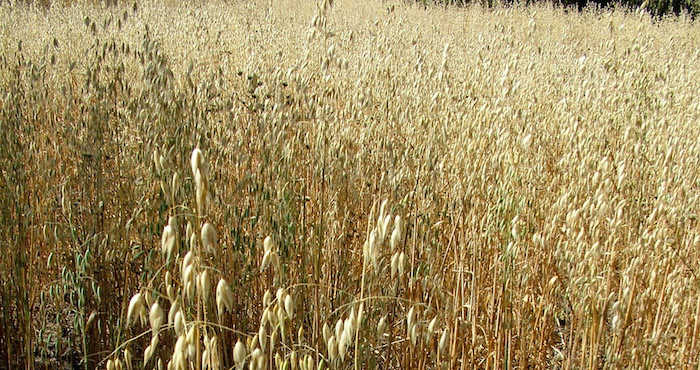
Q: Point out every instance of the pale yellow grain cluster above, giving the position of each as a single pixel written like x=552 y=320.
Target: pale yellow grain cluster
x=349 y=185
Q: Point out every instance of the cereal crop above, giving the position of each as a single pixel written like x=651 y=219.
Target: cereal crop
x=347 y=185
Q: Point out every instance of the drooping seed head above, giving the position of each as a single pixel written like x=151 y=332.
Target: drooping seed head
x=175 y=183
x=397 y=233
x=268 y=244
x=206 y=363
x=401 y=265
x=192 y=341
x=189 y=230
x=180 y=346
x=196 y=160
x=414 y=334
x=188 y=275
x=279 y=361
x=214 y=359
x=326 y=332
x=265 y=261
x=262 y=337
x=289 y=306
x=381 y=328
x=273 y=340
x=351 y=321
x=373 y=251
x=209 y=238
x=280 y=314
x=147 y=353
x=204 y=285
x=275 y=261
x=293 y=360
x=224 y=296
x=342 y=346
x=385 y=224
x=383 y=209
x=174 y=308
x=338 y=328
x=300 y=335
x=332 y=348
x=167 y=244
x=128 y=358
x=394 y=265
x=431 y=327
x=257 y=358
x=279 y=294
x=272 y=315
x=410 y=318
x=253 y=343
x=136 y=308
x=179 y=323
x=156 y=162
x=444 y=339
x=267 y=298
x=239 y=354
x=187 y=261
x=155 y=318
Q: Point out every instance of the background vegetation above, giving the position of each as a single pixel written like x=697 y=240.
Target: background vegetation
x=544 y=164
x=657 y=8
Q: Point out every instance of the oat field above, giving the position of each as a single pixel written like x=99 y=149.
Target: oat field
x=347 y=185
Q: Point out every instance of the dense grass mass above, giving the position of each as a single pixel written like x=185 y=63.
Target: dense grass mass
x=287 y=184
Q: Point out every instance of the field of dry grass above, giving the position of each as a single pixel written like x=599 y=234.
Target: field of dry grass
x=293 y=185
